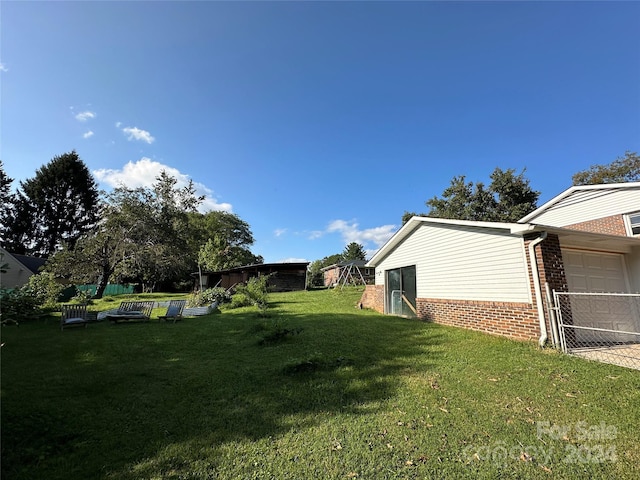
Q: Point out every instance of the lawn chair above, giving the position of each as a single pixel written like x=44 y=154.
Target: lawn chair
x=131 y=312
x=174 y=311
x=73 y=315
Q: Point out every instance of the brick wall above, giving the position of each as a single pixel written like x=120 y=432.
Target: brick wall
x=373 y=298
x=513 y=320
x=331 y=276
x=613 y=225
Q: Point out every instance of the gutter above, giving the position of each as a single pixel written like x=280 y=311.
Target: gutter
x=538 y=288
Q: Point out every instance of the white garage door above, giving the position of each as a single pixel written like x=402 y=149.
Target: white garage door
x=594 y=272
x=590 y=272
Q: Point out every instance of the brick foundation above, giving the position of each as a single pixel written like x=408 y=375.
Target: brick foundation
x=513 y=320
x=373 y=298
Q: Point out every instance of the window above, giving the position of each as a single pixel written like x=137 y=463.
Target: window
x=634 y=223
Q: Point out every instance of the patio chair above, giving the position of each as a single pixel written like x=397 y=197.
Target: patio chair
x=73 y=315
x=131 y=312
x=174 y=311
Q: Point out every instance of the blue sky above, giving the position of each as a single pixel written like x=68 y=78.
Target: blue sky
x=319 y=123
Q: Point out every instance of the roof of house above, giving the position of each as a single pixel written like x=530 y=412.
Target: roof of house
x=264 y=266
x=579 y=193
x=574 y=237
x=32 y=263
x=358 y=263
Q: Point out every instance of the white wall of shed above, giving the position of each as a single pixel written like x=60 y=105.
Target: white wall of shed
x=463 y=263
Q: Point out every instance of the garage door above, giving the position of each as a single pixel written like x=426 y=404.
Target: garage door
x=590 y=272
x=594 y=272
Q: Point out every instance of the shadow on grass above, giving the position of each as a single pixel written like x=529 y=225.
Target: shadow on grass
x=114 y=401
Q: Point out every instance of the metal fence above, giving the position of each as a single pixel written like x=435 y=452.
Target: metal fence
x=600 y=326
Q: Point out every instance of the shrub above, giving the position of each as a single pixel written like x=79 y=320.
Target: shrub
x=253 y=293
x=44 y=288
x=83 y=297
x=240 y=300
x=17 y=305
x=217 y=295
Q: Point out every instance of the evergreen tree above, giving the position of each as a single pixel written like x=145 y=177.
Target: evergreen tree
x=6 y=203
x=353 y=251
x=56 y=206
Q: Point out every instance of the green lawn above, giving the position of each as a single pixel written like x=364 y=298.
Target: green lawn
x=319 y=389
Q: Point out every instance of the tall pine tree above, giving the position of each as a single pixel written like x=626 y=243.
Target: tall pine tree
x=56 y=206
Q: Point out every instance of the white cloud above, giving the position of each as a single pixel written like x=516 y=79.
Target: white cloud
x=3 y=67
x=87 y=134
x=350 y=232
x=144 y=172
x=134 y=133
x=293 y=260
x=84 y=116
x=278 y=232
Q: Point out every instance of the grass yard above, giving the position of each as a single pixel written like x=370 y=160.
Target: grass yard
x=318 y=390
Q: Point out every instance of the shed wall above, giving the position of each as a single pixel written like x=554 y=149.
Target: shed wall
x=463 y=263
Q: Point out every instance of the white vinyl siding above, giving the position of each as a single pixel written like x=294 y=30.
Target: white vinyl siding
x=463 y=263
x=586 y=205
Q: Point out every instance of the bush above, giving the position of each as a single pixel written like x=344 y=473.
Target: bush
x=240 y=300
x=83 y=297
x=217 y=295
x=18 y=305
x=44 y=288
x=253 y=293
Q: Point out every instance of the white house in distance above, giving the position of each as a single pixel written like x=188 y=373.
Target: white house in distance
x=19 y=269
x=494 y=277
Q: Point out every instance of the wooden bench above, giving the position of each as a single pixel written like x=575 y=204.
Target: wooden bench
x=132 y=311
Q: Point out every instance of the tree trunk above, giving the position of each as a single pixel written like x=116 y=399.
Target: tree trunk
x=103 y=281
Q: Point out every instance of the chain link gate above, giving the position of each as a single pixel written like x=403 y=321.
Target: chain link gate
x=600 y=326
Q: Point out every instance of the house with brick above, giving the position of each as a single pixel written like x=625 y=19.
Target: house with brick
x=498 y=277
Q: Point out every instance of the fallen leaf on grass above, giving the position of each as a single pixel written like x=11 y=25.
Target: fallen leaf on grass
x=570 y=395
x=444 y=410
x=409 y=463
x=494 y=379
x=525 y=457
x=546 y=469
x=352 y=475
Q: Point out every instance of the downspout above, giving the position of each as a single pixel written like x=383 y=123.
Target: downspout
x=538 y=288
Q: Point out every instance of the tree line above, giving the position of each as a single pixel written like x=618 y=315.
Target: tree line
x=509 y=195
x=148 y=235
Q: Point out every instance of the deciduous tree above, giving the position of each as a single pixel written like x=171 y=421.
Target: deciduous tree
x=621 y=170
x=507 y=199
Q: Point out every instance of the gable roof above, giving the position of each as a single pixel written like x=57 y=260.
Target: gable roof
x=416 y=221
x=357 y=263
x=575 y=238
x=32 y=263
x=582 y=193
